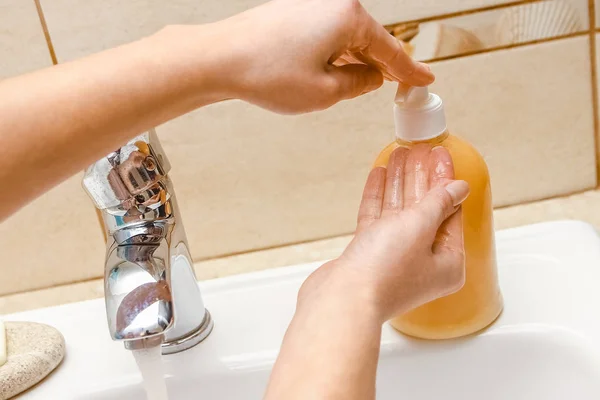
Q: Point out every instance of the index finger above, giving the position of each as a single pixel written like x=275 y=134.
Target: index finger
x=380 y=47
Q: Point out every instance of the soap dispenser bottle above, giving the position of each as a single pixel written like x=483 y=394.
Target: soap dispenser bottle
x=419 y=118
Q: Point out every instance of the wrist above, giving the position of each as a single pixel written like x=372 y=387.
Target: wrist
x=334 y=289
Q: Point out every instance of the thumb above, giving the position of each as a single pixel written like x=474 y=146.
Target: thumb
x=352 y=80
x=442 y=201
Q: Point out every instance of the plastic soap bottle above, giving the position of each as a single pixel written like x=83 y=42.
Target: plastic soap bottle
x=419 y=118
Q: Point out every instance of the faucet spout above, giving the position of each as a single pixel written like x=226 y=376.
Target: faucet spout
x=152 y=297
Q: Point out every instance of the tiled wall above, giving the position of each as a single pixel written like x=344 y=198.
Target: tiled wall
x=516 y=78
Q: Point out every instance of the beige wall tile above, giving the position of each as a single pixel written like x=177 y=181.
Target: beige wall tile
x=529 y=110
x=54 y=240
x=22 y=44
x=248 y=179
x=80 y=28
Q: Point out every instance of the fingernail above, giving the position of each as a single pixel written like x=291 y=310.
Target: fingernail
x=459 y=191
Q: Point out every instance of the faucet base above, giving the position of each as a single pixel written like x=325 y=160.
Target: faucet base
x=145 y=343
x=190 y=340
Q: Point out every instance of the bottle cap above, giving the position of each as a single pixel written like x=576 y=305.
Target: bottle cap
x=418 y=114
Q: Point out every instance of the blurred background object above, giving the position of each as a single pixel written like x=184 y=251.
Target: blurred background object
x=536 y=21
x=471 y=33
x=404 y=33
x=439 y=40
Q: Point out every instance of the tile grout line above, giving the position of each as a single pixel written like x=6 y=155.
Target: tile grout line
x=463 y=13
x=594 y=75
x=42 y=18
x=509 y=46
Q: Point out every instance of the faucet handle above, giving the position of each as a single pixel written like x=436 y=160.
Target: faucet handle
x=115 y=180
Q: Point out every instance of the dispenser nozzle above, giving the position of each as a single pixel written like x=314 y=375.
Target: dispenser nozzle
x=418 y=114
x=411 y=95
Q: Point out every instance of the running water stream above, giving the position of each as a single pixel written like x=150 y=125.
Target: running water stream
x=150 y=363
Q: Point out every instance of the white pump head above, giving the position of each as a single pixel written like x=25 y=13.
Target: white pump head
x=418 y=114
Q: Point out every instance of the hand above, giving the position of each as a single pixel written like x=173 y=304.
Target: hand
x=294 y=56
x=408 y=247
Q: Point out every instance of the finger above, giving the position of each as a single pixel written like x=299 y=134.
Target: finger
x=394 y=182
x=441 y=202
x=416 y=180
x=370 y=205
x=358 y=58
x=449 y=236
x=352 y=80
x=377 y=44
x=441 y=166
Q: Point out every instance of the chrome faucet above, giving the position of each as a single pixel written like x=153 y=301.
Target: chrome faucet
x=152 y=297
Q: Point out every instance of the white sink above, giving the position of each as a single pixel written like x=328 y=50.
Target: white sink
x=545 y=345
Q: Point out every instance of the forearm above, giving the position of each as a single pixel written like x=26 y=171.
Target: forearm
x=56 y=121
x=330 y=351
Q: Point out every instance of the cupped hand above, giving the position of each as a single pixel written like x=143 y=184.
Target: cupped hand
x=294 y=56
x=408 y=247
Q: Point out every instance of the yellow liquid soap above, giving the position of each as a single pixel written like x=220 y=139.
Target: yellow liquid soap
x=479 y=302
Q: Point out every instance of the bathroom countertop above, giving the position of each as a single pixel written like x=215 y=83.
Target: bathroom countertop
x=583 y=206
